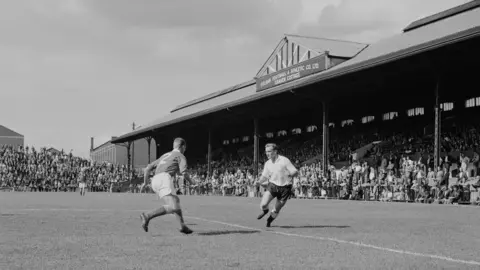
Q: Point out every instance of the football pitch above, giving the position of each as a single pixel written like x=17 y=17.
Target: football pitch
x=102 y=231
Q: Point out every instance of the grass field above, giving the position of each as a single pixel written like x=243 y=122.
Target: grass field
x=102 y=231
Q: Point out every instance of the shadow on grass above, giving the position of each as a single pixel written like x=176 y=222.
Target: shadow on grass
x=312 y=227
x=226 y=232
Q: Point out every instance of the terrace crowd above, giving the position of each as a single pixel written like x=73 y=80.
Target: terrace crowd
x=397 y=167
x=26 y=169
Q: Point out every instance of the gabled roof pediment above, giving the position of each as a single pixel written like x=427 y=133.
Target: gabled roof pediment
x=294 y=49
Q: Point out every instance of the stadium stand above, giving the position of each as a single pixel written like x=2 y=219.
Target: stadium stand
x=395 y=116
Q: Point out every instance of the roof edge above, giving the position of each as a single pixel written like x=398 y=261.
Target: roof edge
x=213 y=95
x=329 y=39
x=102 y=145
x=279 y=45
x=442 y=15
x=13 y=133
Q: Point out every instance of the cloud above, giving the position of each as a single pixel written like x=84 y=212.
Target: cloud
x=371 y=20
x=223 y=17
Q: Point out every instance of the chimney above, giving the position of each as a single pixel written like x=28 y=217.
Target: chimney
x=91 y=143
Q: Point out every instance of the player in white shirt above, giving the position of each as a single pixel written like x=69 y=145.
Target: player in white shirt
x=279 y=173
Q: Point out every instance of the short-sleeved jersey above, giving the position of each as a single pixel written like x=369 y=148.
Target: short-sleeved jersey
x=172 y=163
x=278 y=172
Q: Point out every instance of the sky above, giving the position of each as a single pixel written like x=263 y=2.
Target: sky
x=75 y=69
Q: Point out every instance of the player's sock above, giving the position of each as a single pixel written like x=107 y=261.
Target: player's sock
x=270 y=220
x=265 y=211
x=272 y=217
x=145 y=221
x=158 y=212
x=179 y=215
x=184 y=229
x=274 y=213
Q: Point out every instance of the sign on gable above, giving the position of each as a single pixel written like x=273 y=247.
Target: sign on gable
x=295 y=72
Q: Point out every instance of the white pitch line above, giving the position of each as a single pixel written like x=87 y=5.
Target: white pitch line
x=359 y=244
x=352 y=243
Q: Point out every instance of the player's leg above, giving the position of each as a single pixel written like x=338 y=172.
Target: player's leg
x=275 y=211
x=266 y=199
x=172 y=206
x=163 y=185
x=177 y=211
x=165 y=209
x=284 y=193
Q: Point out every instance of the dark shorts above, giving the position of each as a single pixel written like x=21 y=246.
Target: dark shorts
x=282 y=193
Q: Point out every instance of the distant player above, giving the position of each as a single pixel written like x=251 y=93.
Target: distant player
x=82 y=181
x=166 y=167
x=278 y=172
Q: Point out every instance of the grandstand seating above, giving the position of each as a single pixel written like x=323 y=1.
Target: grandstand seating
x=395 y=167
x=350 y=182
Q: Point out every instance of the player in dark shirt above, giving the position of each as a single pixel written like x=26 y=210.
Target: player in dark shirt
x=166 y=167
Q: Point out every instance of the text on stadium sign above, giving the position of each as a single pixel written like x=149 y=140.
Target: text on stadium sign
x=292 y=73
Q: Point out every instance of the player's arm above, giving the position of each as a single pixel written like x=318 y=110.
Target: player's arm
x=182 y=167
x=262 y=179
x=265 y=175
x=187 y=178
x=151 y=167
x=293 y=172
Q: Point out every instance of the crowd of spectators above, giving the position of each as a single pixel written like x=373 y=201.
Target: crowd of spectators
x=400 y=168
x=26 y=169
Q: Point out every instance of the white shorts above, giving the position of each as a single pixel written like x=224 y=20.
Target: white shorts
x=162 y=184
x=82 y=185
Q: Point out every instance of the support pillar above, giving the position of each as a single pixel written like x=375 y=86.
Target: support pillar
x=209 y=154
x=158 y=146
x=133 y=156
x=256 y=143
x=325 y=140
x=149 y=140
x=438 y=130
x=129 y=158
x=133 y=150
